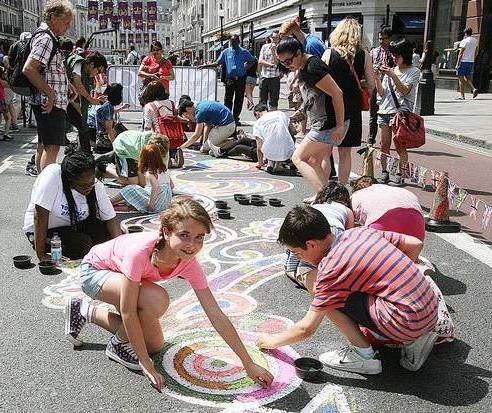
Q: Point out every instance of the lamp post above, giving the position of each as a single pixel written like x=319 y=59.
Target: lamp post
x=329 y=18
x=182 y=48
x=221 y=17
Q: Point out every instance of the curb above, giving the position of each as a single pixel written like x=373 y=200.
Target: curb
x=478 y=142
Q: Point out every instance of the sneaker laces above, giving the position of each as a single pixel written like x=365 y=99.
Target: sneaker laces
x=128 y=349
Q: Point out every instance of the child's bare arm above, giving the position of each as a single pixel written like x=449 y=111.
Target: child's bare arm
x=152 y=180
x=411 y=246
x=300 y=331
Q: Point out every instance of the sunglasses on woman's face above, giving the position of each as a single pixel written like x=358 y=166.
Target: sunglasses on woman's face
x=288 y=62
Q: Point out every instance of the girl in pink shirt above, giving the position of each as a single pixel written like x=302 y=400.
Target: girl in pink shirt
x=387 y=208
x=122 y=272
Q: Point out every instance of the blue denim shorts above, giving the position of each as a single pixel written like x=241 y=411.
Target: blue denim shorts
x=92 y=279
x=384 y=119
x=324 y=136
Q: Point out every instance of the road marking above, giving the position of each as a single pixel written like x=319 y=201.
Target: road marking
x=6 y=164
x=464 y=242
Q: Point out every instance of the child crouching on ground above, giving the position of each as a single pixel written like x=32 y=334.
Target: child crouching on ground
x=123 y=272
x=158 y=191
x=365 y=278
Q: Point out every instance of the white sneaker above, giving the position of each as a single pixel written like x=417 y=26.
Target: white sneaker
x=205 y=147
x=348 y=359
x=415 y=353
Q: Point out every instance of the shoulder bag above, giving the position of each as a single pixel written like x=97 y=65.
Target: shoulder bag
x=364 y=93
x=170 y=126
x=408 y=127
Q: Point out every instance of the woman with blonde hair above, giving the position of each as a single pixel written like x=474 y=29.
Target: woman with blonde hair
x=347 y=56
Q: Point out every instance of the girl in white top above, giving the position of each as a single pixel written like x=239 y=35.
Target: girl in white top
x=155 y=99
x=333 y=201
x=157 y=193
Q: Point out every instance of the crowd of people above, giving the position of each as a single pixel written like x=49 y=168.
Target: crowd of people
x=354 y=248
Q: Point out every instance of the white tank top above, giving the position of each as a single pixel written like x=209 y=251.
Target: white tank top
x=335 y=213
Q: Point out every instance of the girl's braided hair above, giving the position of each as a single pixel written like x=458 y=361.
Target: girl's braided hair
x=73 y=165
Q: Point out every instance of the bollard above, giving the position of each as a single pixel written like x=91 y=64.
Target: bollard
x=367 y=161
x=438 y=220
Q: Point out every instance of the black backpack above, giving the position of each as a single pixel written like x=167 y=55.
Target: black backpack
x=18 y=54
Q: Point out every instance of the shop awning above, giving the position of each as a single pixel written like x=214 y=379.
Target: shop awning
x=408 y=22
x=215 y=47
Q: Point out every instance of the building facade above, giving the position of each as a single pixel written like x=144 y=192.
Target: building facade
x=187 y=27
x=17 y=16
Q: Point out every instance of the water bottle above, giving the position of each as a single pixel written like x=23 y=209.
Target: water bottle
x=56 y=249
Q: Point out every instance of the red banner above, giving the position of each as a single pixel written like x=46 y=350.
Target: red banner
x=103 y=23
x=138 y=38
x=92 y=10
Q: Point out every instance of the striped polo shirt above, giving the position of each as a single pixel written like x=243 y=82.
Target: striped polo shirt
x=402 y=304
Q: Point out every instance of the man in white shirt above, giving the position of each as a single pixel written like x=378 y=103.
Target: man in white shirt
x=464 y=64
x=273 y=139
x=270 y=73
x=133 y=58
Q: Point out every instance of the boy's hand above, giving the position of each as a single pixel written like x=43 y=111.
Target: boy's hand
x=266 y=341
x=259 y=374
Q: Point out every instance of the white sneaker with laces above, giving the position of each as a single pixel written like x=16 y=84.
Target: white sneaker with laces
x=348 y=359
x=415 y=353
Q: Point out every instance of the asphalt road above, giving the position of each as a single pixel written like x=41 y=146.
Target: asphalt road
x=41 y=371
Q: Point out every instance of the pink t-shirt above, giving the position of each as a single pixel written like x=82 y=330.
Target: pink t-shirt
x=131 y=255
x=371 y=203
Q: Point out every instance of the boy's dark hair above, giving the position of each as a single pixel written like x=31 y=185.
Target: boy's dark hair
x=155 y=90
x=260 y=107
x=114 y=93
x=403 y=48
x=362 y=183
x=468 y=31
x=303 y=223
x=386 y=31
x=290 y=45
x=80 y=42
x=185 y=105
x=183 y=98
x=333 y=192
x=97 y=59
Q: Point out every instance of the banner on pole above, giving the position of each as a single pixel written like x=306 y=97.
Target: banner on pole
x=92 y=10
x=137 y=15
x=103 y=23
x=127 y=22
x=108 y=10
x=123 y=9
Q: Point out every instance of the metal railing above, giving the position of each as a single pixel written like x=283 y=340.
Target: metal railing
x=199 y=84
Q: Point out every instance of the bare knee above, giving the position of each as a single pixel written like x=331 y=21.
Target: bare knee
x=153 y=301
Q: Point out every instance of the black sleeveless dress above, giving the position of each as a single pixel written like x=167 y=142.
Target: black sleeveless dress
x=343 y=76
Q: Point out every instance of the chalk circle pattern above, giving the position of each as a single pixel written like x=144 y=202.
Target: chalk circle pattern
x=200 y=368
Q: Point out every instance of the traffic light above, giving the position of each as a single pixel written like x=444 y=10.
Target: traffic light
x=302 y=19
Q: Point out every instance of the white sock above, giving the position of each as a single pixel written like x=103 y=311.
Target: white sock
x=86 y=309
x=366 y=352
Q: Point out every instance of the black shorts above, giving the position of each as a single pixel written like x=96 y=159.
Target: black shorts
x=357 y=308
x=51 y=126
x=126 y=167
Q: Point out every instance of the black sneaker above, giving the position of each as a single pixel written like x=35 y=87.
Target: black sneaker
x=74 y=321
x=122 y=353
x=31 y=170
x=384 y=179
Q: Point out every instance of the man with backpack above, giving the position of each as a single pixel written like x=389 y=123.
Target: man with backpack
x=81 y=72
x=133 y=58
x=45 y=71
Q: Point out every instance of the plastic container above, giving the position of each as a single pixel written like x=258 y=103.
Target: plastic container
x=134 y=228
x=308 y=368
x=47 y=268
x=22 y=262
x=56 y=249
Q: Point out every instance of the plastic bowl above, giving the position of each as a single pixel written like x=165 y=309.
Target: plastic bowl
x=257 y=202
x=243 y=201
x=221 y=204
x=22 y=262
x=275 y=202
x=224 y=214
x=236 y=196
x=47 y=267
x=134 y=228
x=308 y=368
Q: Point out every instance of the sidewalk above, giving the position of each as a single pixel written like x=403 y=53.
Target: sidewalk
x=468 y=121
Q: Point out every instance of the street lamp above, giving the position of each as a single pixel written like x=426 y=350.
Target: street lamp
x=182 y=46
x=221 y=17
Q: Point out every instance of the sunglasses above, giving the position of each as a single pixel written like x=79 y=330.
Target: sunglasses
x=288 y=62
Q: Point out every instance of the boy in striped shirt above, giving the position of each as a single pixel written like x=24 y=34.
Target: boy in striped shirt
x=365 y=278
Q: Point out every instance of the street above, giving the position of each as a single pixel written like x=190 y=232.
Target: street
x=243 y=263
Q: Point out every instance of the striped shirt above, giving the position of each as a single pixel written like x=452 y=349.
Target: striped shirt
x=55 y=75
x=402 y=304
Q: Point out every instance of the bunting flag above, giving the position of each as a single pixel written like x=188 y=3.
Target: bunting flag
x=474 y=207
x=422 y=176
x=92 y=10
x=146 y=38
x=137 y=15
x=103 y=23
x=154 y=37
x=452 y=192
x=435 y=178
x=414 y=173
x=108 y=10
x=487 y=214
x=130 y=39
x=127 y=22
x=138 y=38
x=460 y=198
x=123 y=9
x=115 y=21
x=378 y=159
